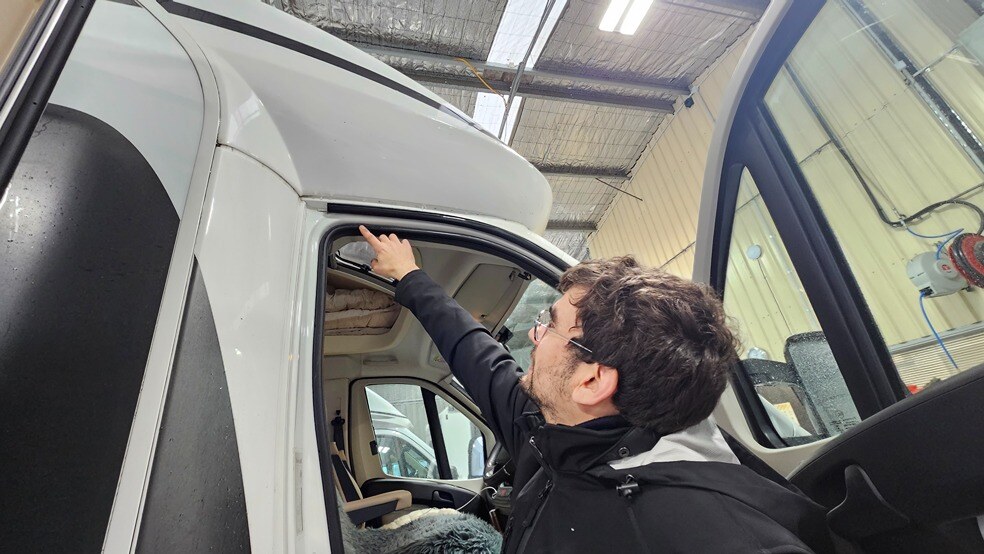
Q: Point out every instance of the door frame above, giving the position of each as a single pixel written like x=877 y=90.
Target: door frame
x=344 y=220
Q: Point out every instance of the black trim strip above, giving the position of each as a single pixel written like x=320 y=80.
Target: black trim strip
x=321 y=418
x=470 y=224
x=370 y=513
x=437 y=433
x=236 y=26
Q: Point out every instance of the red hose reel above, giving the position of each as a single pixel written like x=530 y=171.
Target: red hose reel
x=967 y=253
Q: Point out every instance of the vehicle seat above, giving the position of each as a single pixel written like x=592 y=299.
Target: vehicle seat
x=447 y=531
x=359 y=509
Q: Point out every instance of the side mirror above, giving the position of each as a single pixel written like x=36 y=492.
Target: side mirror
x=476 y=457
x=805 y=396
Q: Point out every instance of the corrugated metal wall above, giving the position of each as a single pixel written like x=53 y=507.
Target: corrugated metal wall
x=660 y=229
x=908 y=157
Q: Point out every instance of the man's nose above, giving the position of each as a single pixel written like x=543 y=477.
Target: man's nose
x=532 y=334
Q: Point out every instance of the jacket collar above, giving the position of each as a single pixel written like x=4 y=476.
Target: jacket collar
x=577 y=449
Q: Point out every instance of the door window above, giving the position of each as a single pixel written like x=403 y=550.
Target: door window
x=537 y=297
x=406 y=438
x=881 y=105
x=785 y=356
x=463 y=440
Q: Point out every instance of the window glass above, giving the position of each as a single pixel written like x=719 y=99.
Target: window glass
x=882 y=107
x=784 y=353
x=403 y=435
x=463 y=440
x=538 y=296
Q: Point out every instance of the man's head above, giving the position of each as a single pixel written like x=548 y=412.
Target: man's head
x=650 y=346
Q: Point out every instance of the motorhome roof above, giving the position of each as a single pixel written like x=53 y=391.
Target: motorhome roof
x=336 y=123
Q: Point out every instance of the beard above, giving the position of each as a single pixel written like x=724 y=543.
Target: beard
x=527 y=383
x=546 y=394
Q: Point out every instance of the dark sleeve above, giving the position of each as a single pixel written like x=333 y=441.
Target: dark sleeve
x=481 y=364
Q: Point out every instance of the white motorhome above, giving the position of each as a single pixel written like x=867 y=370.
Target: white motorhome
x=191 y=346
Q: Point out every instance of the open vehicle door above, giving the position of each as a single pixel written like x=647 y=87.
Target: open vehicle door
x=840 y=213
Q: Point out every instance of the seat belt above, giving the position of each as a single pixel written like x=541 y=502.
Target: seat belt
x=338 y=435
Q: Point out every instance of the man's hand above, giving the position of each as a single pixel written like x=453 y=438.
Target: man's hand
x=394 y=257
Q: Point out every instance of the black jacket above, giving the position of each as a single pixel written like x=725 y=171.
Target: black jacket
x=571 y=500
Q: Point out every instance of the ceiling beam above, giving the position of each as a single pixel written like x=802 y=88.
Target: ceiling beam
x=499 y=77
x=755 y=7
x=576 y=226
x=546 y=92
x=592 y=172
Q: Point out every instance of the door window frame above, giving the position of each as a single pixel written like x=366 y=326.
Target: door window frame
x=754 y=143
x=429 y=393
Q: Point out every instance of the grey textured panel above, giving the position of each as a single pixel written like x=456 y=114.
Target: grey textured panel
x=195 y=499
x=555 y=133
x=463 y=99
x=674 y=44
x=452 y=28
x=574 y=243
x=581 y=199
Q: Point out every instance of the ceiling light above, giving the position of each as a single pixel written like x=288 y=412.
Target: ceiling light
x=613 y=15
x=625 y=17
x=634 y=17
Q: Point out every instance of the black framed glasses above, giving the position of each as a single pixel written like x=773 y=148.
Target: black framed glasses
x=541 y=326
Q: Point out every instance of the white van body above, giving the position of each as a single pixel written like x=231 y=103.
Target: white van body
x=260 y=127
x=168 y=230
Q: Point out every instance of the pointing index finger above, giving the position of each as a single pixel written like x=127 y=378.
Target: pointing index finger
x=370 y=238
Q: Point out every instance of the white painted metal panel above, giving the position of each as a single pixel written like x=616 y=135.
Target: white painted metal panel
x=352 y=138
x=247 y=251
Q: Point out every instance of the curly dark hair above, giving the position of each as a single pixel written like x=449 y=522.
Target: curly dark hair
x=667 y=337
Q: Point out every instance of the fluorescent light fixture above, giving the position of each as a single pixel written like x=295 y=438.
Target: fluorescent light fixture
x=625 y=17
x=489 y=109
x=516 y=29
x=613 y=15
x=634 y=17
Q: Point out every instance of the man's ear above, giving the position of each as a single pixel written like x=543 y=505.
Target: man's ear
x=595 y=384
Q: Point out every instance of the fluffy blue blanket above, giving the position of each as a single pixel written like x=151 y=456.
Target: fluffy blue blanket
x=433 y=534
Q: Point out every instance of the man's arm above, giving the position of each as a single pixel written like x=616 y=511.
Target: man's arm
x=484 y=367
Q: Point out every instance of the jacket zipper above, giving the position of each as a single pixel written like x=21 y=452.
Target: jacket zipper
x=530 y=522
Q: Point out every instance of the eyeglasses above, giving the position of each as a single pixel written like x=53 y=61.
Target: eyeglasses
x=541 y=326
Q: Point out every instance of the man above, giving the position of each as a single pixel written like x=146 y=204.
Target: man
x=609 y=428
